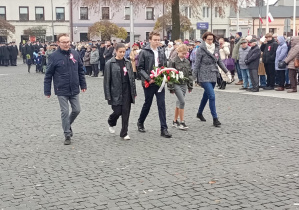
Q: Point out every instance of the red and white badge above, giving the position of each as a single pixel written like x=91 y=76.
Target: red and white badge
x=269 y=48
x=125 y=71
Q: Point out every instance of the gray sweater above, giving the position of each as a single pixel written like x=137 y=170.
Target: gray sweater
x=242 y=55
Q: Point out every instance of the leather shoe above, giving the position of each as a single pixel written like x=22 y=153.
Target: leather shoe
x=140 y=127
x=268 y=88
x=165 y=133
x=291 y=91
x=201 y=117
x=254 y=90
x=279 y=89
x=67 y=140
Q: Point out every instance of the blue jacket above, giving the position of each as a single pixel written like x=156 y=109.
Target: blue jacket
x=281 y=52
x=67 y=74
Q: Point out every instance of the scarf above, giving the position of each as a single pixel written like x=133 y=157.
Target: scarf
x=237 y=40
x=211 y=48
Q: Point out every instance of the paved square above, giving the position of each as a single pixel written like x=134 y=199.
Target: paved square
x=251 y=162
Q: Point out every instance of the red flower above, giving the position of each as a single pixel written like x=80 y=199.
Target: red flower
x=162 y=67
x=152 y=76
x=167 y=71
x=177 y=72
x=146 y=84
x=168 y=78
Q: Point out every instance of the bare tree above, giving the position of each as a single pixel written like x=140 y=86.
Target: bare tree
x=6 y=29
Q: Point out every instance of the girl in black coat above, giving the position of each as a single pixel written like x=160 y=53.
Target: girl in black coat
x=120 y=89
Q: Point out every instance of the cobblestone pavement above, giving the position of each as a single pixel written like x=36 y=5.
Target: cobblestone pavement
x=251 y=162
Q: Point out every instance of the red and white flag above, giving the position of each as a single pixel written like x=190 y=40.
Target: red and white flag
x=270 y=18
x=261 y=19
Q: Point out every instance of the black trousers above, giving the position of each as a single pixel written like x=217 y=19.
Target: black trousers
x=281 y=76
x=270 y=71
x=123 y=111
x=88 y=70
x=13 y=62
x=254 y=77
x=95 y=69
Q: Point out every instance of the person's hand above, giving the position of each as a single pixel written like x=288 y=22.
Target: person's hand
x=48 y=96
x=152 y=81
x=83 y=90
x=189 y=90
x=172 y=91
x=246 y=62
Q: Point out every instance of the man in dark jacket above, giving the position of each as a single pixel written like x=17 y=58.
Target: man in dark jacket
x=252 y=60
x=5 y=53
x=65 y=68
x=14 y=54
x=102 y=59
x=108 y=53
x=149 y=57
x=29 y=49
x=269 y=55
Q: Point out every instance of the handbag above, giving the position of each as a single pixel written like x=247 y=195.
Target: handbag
x=229 y=63
x=282 y=65
x=296 y=63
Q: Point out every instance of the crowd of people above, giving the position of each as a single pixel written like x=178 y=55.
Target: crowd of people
x=270 y=63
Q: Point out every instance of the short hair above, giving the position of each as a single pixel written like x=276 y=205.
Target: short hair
x=61 y=35
x=182 y=48
x=208 y=33
x=153 y=33
x=119 y=45
x=268 y=35
x=94 y=46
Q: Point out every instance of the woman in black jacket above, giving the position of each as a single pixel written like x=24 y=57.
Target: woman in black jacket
x=120 y=89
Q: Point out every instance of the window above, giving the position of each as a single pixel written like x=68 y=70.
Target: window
x=24 y=13
x=188 y=12
x=2 y=13
x=205 y=12
x=39 y=13
x=60 y=15
x=83 y=13
x=147 y=35
x=150 y=13
x=127 y=13
x=105 y=13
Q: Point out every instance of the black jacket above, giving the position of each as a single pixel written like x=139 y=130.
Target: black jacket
x=14 y=52
x=108 y=53
x=113 y=82
x=5 y=52
x=147 y=61
x=252 y=59
x=269 y=51
x=101 y=53
x=67 y=75
x=29 y=49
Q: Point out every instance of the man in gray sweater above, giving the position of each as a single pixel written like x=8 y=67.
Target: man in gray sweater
x=243 y=51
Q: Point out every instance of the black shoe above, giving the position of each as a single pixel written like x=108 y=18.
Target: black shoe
x=140 y=127
x=243 y=88
x=200 y=116
x=71 y=131
x=216 y=122
x=165 y=133
x=254 y=90
x=67 y=140
x=268 y=88
x=249 y=89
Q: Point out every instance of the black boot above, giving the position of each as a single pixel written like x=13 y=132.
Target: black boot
x=140 y=127
x=216 y=122
x=200 y=116
x=165 y=133
x=67 y=140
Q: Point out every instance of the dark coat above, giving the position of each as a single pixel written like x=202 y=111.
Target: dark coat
x=108 y=53
x=5 y=52
x=86 y=58
x=206 y=64
x=113 y=82
x=269 y=51
x=14 y=52
x=29 y=49
x=101 y=53
x=252 y=59
x=67 y=75
x=147 y=61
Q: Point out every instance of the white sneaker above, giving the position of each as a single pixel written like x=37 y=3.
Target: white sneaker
x=127 y=137
x=111 y=129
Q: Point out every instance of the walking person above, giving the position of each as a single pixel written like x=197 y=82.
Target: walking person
x=65 y=68
x=281 y=54
x=181 y=64
x=149 y=57
x=206 y=71
x=94 y=60
x=120 y=89
x=290 y=60
x=269 y=48
x=244 y=49
x=252 y=60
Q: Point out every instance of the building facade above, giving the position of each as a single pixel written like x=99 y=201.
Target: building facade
x=35 y=20
x=145 y=18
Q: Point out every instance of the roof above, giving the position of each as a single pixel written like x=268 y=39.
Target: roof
x=276 y=12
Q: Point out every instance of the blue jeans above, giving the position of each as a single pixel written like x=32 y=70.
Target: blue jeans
x=208 y=94
x=263 y=81
x=246 y=78
x=149 y=95
x=287 y=77
x=238 y=70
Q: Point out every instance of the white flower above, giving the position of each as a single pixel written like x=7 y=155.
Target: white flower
x=177 y=77
x=172 y=75
x=181 y=75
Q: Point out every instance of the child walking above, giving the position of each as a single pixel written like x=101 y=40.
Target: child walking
x=120 y=89
x=181 y=64
x=29 y=62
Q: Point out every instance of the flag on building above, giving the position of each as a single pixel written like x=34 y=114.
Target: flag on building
x=270 y=18
x=261 y=20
